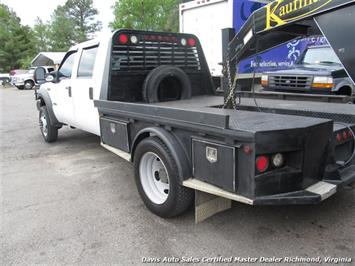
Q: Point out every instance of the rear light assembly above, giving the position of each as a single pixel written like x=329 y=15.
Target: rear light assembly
x=264 y=163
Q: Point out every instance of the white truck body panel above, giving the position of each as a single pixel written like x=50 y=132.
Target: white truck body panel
x=206 y=19
x=78 y=109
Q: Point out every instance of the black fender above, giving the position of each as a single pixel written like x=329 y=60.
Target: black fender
x=43 y=98
x=176 y=148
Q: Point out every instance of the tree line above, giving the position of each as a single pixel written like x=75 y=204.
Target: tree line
x=75 y=22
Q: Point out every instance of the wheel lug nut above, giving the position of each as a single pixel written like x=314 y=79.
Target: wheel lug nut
x=156 y=175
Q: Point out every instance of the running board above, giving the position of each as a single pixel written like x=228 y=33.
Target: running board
x=210 y=200
x=124 y=155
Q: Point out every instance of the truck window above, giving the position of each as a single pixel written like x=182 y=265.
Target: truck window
x=87 y=61
x=320 y=55
x=66 y=68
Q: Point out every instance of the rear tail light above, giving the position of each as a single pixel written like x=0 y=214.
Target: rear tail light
x=183 y=41
x=262 y=163
x=270 y=162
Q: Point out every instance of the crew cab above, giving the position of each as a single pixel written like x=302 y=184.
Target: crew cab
x=151 y=99
x=317 y=71
x=26 y=80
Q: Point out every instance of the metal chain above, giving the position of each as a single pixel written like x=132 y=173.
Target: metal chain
x=232 y=86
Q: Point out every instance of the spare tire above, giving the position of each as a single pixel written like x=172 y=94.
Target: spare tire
x=166 y=83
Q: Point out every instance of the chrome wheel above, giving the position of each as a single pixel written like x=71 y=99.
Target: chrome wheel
x=154 y=178
x=43 y=124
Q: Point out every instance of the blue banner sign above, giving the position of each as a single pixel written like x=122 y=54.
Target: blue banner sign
x=280 y=57
x=242 y=9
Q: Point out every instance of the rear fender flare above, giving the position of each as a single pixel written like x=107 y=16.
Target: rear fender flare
x=176 y=148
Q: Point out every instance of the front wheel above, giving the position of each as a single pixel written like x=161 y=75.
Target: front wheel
x=49 y=132
x=29 y=85
x=157 y=179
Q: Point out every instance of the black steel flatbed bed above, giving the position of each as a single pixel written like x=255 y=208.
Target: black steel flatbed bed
x=202 y=119
x=339 y=112
x=206 y=111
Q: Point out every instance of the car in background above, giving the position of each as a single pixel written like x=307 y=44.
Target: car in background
x=317 y=71
x=4 y=79
x=14 y=72
x=26 y=80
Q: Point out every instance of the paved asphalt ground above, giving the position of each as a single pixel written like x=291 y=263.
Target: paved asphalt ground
x=72 y=202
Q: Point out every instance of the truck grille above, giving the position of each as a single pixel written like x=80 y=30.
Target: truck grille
x=290 y=82
x=147 y=55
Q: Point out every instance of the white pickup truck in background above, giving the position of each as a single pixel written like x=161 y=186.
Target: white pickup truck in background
x=4 y=79
x=26 y=80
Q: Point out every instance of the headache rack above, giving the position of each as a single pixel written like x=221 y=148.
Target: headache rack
x=150 y=50
x=135 y=53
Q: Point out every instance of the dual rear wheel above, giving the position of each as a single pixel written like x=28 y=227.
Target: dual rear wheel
x=157 y=179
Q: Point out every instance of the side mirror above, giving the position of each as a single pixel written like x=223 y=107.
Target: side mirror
x=40 y=75
x=49 y=78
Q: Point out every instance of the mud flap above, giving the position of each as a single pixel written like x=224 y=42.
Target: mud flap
x=207 y=205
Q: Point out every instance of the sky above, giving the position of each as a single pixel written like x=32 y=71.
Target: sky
x=29 y=10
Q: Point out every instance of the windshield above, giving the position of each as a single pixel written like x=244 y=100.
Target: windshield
x=320 y=55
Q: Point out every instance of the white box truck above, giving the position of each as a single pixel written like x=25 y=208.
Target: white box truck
x=207 y=18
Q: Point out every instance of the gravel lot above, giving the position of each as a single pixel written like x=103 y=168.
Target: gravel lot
x=72 y=202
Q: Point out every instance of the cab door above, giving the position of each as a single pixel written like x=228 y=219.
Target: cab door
x=61 y=91
x=83 y=90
